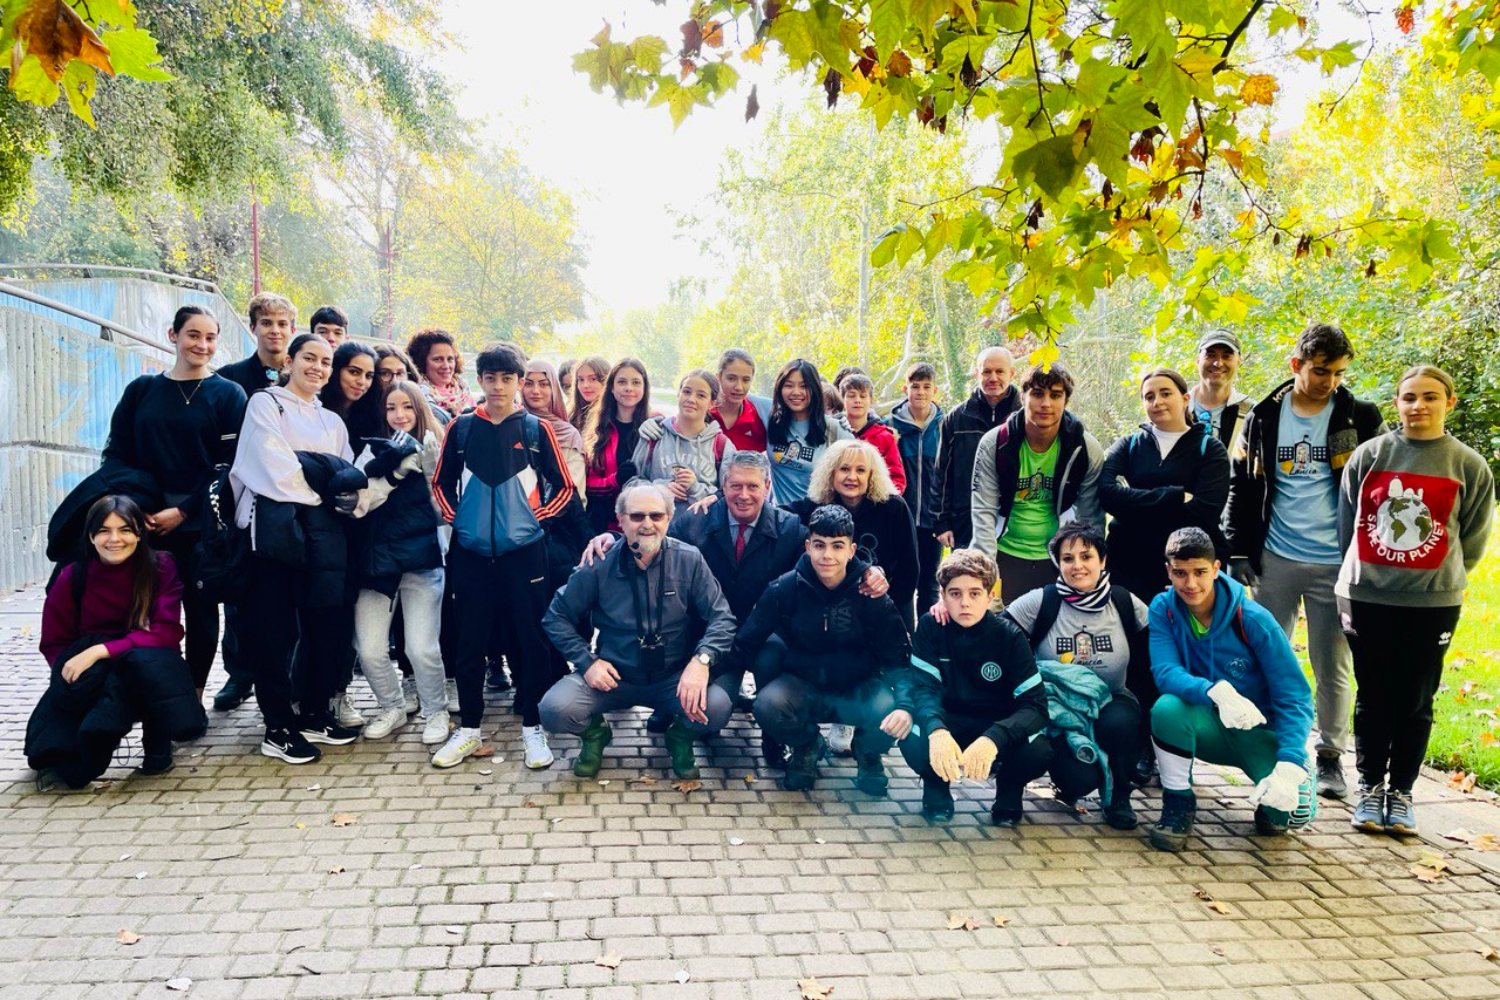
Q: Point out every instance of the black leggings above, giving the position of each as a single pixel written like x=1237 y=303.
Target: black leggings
x=1120 y=732
x=513 y=585
x=273 y=624
x=1398 y=664
x=200 y=616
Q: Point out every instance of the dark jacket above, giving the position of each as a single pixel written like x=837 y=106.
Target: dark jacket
x=250 y=374
x=985 y=671
x=66 y=525
x=772 y=548
x=1253 y=461
x=962 y=428
x=402 y=533
x=1144 y=495
x=836 y=639
x=312 y=538
x=919 y=456
x=885 y=537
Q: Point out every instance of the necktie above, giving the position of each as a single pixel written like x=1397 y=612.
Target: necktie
x=739 y=542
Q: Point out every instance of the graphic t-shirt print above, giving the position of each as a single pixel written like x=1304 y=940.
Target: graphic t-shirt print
x=1403 y=519
x=1083 y=647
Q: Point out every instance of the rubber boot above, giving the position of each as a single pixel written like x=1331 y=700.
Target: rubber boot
x=592 y=742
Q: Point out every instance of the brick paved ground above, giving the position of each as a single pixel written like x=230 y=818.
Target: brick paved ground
x=489 y=881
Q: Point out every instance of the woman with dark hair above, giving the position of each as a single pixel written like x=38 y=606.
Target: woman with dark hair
x=798 y=430
x=1416 y=509
x=742 y=414
x=392 y=365
x=589 y=376
x=1172 y=473
x=110 y=630
x=349 y=393
x=1081 y=619
x=609 y=442
x=293 y=484
x=686 y=452
x=435 y=353
x=179 y=427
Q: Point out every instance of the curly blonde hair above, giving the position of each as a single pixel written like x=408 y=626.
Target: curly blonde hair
x=820 y=485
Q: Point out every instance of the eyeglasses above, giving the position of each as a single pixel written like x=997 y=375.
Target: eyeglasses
x=639 y=517
x=386 y=376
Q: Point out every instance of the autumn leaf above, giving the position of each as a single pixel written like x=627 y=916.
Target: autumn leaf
x=345 y=819
x=54 y=33
x=692 y=37
x=959 y=922
x=713 y=35
x=749 y=779
x=752 y=103
x=127 y=936
x=1259 y=88
x=1487 y=953
x=899 y=64
x=608 y=961
x=1213 y=904
x=336 y=870
x=1485 y=842
x=483 y=752
x=686 y=787
x=646 y=781
x=1001 y=920
x=813 y=990
x=1406 y=19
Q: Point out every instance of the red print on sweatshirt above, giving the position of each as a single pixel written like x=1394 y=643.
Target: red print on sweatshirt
x=1403 y=519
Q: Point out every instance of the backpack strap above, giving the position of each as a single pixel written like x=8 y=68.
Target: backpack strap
x=531 y=433
x=1239 y=625
x=79 y=583
x=1046 y=614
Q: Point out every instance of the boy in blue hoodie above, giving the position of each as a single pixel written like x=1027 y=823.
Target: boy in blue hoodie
x=1232 y=693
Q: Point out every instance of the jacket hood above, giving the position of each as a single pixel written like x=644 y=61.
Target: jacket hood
x=284 y=394
x=901 y=414
x=1229 y=596
x=809 y=576
x=710 y=431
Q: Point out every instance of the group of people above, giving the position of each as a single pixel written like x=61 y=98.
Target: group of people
x=1102 y=616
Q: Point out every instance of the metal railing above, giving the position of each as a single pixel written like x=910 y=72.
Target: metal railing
x=140 y=272
x=107 y=327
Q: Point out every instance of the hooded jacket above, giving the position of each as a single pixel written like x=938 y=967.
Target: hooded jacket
x=1244 y=646
x=1236 y=410
x=884 y=536
x=918 y=447
x=278 y=425
x=1252 y=464
x=836 y=639
x=998 y=461
x=875 y=432
x=960 y=435
x=706 y=453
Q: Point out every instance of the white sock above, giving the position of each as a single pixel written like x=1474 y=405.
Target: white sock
x=469 y=734
x=1176 y=771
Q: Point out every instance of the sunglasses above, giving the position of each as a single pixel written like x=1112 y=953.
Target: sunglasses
x=655 y=516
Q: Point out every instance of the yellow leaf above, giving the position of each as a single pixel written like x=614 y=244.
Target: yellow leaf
x=608 y=961
x=813 y=990
x=1259 y=88
x=127 y=936
x=1001 y=920
x=959 y=922
x=345 y=819
x=754 y=52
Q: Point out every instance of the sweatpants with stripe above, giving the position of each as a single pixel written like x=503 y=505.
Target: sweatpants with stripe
x=1183 y=732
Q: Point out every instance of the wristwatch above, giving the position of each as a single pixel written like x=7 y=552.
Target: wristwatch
x=704 y=658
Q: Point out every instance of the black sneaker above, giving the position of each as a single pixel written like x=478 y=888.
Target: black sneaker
x=159 y=762
x=283 y=744
x=870 y=777
x=1178 y=811
x=233 y=694
x=773 y=752
x=937 y=802
x=1119 y=813
x=322 y=729
x=802 y=766
x=497 y=680
x=1005 y=819
x=1331 y=781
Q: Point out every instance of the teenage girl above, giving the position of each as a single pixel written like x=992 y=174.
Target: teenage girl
x=609 y=442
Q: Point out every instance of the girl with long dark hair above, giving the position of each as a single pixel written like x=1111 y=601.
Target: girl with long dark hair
x=798 y=430
x=609 y=442
x=179 y=427
x=351 y=393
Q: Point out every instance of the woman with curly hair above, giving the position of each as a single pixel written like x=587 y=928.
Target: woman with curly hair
x=435 y=353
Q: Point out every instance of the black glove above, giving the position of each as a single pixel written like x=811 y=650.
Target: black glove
x=344 y=503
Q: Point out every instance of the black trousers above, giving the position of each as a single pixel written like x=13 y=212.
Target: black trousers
x=200 y=616
x=513 y=585
x=789 y=710
x=1020 y=576
x=1013 y=768
x=1398 y=665
x=274 y=627
x=929 y=554
x=1120 y=732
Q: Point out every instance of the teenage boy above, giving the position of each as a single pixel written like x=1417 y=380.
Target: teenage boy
x=979 y=706
x=1214 y=400
x=823 y=653
x=918 y=422
x=1282 y=522
x=858 y=393
x=1232 y=693
x=992 y=403
x=663 y=626
x=500 y=475
x=331 y=323
x=273 y=320
x=1038 y=470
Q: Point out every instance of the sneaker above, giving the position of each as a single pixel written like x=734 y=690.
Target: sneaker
x=538 y=754
x=1145 y=771
x=870 y=777
x=1178 y=810
x=322 y=729
x=592 y=742
x=773 y=752
x=233 y=694
x=497 y=679
x=1369 y=811
x=802 y=766
x=345 y=714
x=1400 y=813
x=679 y=740
x=287 y=745
x=461 y=744
x=937 y=802
x=436 y=730
x=1331 y=783
x=386 y=723
x=157 y=762
x=452 y=695
x=409 y=701
x=1005 y=819
x=841 y=740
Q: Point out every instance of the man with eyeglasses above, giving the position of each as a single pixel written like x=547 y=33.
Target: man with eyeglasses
x=662 y=622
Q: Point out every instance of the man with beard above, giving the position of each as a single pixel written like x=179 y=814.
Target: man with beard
x=648 y=599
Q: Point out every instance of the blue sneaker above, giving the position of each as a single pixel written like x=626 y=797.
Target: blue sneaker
x=1400 y=813
x=1369 y=811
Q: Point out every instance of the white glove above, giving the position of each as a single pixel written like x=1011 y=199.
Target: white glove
x=651 y=430
x=1235 y=710
x=1281 y=789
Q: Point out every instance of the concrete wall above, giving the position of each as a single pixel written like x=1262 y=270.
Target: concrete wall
x=58 y=386
x=143 y=306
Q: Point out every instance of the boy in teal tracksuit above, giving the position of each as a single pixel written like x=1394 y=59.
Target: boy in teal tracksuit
x=1232 y=692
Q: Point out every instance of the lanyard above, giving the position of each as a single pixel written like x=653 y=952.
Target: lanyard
x=650 y=630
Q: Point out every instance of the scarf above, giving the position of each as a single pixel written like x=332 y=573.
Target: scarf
x=455 y=399
x=1086 y=600
x=568 y=437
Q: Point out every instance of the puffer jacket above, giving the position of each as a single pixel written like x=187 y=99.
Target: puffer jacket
x=1075 y=697
x=312 y=538
x=402 y=531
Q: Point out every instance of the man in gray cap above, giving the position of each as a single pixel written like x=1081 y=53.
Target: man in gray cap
x=1215 y=400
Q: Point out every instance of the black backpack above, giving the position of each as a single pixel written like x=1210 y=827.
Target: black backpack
x=222 y=556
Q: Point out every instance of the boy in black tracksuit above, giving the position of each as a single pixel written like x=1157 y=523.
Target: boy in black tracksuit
x=978 y=702
x=835 y=651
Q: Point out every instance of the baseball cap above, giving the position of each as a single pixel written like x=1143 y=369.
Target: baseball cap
x=1219 y=337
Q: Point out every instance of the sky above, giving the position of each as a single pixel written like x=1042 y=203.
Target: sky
x=629 y=170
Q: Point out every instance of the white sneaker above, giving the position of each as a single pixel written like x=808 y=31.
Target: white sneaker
x=409 y=696
x=386 y=723
x=345 y=714
x=538 y=754
x=841 y=740
x=452 y=695
x=436 y=730
x=461 y=744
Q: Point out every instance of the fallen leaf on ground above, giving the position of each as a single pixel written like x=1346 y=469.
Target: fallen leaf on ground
x=345 y=819
x=685 y=787
x=959 y=922
x=813 y=990
x=1463 y=782
x=180 y=983
x=299 y=825
x=530 y=804
x=1001 y=920
x=609 y=961
x=643 y=781
x=1487 y=953
x=750 y=780
x=1485 y=842
x=484 y=752
x=1461 y=835
x=336 y=870
x=1213 y=904
x=1426 y=873
x=127 y=936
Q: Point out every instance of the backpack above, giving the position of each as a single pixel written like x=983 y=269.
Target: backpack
x=1046 y=614
x=221 y=559
x=483 y=508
